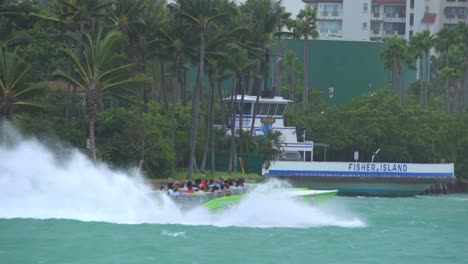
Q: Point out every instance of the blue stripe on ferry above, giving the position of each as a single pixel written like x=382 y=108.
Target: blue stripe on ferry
x=361 y=173
x=258 y=116
x=379 y=191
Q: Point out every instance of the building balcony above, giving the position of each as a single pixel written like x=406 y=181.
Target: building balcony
x=329 y=15
x=376 y=16
x=387 y=34
x=376 y=33
x=455 y=4
x=396 y=18
x=453 y=19
x=330 y=34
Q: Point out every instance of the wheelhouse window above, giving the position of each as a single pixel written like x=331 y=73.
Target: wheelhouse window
x=264 y=109
x=272 y=110
x=280 y=110
x=247 y=109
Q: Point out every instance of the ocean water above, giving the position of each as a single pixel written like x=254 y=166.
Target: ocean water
x=56 y=207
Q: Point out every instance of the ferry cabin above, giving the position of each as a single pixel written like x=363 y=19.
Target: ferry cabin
x=269 y=116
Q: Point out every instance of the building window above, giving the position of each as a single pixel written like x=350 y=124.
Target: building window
x=364 y=25
x=364 y=8
x=411 y=19
x=376 y=11
x=412 y=4
x=411 y=33
x=427 y=9
x=375 y=27
x=330 y=9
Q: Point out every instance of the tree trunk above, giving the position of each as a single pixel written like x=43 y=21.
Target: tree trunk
x=92 y=139
x=208 y=122
x=233 y=125
x=144 y=89
x=183 y=88
x=175 y=92
x=162 y=73
x=447 y=89
x=456 y=96
x=421 y=80
x=465 y=88
x=255 y=110
x=426 y=86
x=196 y=109
x=221 y=107
x=305 y=91
x=280 y=74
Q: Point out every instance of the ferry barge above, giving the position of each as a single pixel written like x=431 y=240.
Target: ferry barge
x=296 y=163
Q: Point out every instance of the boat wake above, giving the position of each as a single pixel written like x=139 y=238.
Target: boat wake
x=37 y=182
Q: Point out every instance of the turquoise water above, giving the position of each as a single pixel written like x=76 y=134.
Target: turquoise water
x=406 y=230
x=57 y=207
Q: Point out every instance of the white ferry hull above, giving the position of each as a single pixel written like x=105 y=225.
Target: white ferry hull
x=374 y=179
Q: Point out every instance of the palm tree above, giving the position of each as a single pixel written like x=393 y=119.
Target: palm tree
x=462 y=39
x=96 y=73
x=394 y=55
x=270 y=146
x=76 y=16
x=443 y=41
x=177 y=42
x=290 y=64
x=14 y=91
x=264 y=19
x=306 y=24
x=427 y=42
x=202 y=15
x=417 y=48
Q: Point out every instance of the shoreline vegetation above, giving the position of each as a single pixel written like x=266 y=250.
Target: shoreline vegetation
x=141 y=84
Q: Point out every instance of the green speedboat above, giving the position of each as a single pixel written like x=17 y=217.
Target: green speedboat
x=222 y=200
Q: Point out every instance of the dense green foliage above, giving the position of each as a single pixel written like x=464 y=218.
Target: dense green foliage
x=110 y=78
x=404 y=133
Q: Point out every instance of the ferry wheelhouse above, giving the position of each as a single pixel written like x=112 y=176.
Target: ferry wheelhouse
x=268 y=115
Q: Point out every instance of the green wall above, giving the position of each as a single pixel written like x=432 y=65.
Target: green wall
x=348 y=66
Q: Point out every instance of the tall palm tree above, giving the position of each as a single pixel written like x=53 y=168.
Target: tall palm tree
x=97 y=73
x=395 y=56
x=140 y=22
x=462 y=39
x=427 y=42
x=76 y=17
x=202 y=15
x=290 y=65
x=14 y=91
x=443 y=41
x=178 y=40
x=416 y=46
x=264 y=18
x=306 y=25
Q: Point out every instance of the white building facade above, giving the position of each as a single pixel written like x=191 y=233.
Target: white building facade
x=374 y=20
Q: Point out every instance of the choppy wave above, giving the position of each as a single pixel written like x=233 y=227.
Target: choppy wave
x=37 y=182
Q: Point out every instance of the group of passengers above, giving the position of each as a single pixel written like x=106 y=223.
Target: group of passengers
x=199 y=185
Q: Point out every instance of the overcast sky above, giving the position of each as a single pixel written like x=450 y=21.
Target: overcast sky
x=293 y=6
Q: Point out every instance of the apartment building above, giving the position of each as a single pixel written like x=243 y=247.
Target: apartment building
x=374 y=20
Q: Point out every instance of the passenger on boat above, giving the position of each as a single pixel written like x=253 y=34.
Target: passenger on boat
x=175 y=192
x=190 y=189
x=204 y=182
x=170 y=188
